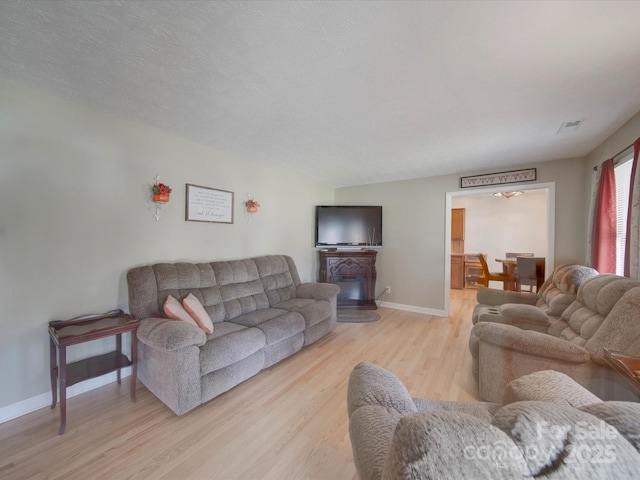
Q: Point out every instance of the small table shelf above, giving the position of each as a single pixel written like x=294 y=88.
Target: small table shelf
x=626 y=365
x=64 y=333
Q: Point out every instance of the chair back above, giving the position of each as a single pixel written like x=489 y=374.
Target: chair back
x=530 y=271
x=484 y=280
x=516 y=255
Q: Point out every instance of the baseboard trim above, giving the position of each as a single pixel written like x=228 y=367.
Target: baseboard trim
x=43 y=400
x=412 y=308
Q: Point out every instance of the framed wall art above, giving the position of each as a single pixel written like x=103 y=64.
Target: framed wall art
x=206 y=204
x=514 y=176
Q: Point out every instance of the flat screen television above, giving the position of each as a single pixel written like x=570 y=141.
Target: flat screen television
x=348 y=226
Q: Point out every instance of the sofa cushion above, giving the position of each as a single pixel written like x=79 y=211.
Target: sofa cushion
x=176 y=311
x=223 y=350
x=275 y=324
x=193 y=306
x=313 y=311
x=279 y=277
x=596 y=297
x=240 y=287
x=182 y=279
x=560 y=290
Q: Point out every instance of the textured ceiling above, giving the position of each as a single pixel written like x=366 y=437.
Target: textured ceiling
x=344 y=93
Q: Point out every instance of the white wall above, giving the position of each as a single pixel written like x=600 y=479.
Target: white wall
x=74 y=217
x=413 y=261
x=496 y=225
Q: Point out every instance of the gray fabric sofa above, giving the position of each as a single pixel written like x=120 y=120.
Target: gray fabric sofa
x=548 y=304
x=261 y=314
x=547 y=426
x=605 y=314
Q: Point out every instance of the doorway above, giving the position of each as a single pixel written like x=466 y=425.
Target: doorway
x=497 y=226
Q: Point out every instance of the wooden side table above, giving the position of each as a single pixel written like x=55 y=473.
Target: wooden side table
x=626 y=365
x=63 y=333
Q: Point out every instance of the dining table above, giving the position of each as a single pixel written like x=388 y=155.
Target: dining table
x=509 y=267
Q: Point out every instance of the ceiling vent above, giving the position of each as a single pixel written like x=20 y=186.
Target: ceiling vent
x=570 y=126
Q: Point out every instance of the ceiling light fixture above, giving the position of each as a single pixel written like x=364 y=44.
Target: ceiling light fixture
x=515 y=193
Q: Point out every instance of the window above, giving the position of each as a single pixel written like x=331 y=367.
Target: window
x=623 y=180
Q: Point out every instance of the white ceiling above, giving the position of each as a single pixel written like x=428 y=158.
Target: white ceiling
x=343 y=92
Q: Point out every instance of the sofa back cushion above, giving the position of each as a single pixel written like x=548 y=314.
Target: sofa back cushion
x=226 y=289
x=240 y=288
x=149 y=286
x=620 y=330
x=279 y=277
x=561 y=288
x=596 y=297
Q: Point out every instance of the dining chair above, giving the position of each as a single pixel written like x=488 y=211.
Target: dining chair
x=530 y=272
x=488 y=276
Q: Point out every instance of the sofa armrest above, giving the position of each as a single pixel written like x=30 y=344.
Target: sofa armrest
x=370 y=384
x=166 y=334
x=317 y=291
x=493 y=296
x=548 y=386
x=530 y=342
x=526 y=317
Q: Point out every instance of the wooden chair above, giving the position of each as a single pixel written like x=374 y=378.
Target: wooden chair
x=488 y=276
x=530 y=272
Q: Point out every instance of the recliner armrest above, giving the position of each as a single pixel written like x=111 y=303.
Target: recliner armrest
x=167 y=334
x=317 y=291
x=548 y=386
x=492 y=296
x=530 y=342
x=526 y=317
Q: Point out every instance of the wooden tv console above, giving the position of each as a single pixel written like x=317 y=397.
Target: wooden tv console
x=354 y=271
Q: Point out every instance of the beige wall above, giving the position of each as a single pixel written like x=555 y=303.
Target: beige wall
x=74 y=217
x=412 y=260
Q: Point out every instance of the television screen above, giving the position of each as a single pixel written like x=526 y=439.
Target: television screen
x=342 y=226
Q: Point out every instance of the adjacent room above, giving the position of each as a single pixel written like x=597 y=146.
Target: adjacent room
x=247 y=239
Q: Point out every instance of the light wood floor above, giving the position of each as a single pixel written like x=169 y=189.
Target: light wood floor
x=287 y=422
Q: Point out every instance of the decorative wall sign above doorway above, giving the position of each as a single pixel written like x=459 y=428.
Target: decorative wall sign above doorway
x=514 y=176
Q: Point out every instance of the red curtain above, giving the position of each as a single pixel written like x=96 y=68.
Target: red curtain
x=632 y=219
x=603 y=253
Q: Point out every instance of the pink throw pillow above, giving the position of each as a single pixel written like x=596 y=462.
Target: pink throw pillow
x=198 y=313
x=175 y=311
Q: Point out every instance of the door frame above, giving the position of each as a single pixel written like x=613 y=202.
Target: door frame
x=550 y=187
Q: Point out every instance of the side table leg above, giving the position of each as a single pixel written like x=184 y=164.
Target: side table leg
x=119 y=350
x=62 y=370
x=53 y=364
x=134 y=364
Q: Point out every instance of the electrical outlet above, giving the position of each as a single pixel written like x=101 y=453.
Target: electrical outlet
x=387 y=289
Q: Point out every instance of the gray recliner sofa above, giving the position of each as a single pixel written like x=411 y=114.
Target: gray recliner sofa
x=261 y=314
x=548 y=304
x=546 y=426
x=605 y=314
